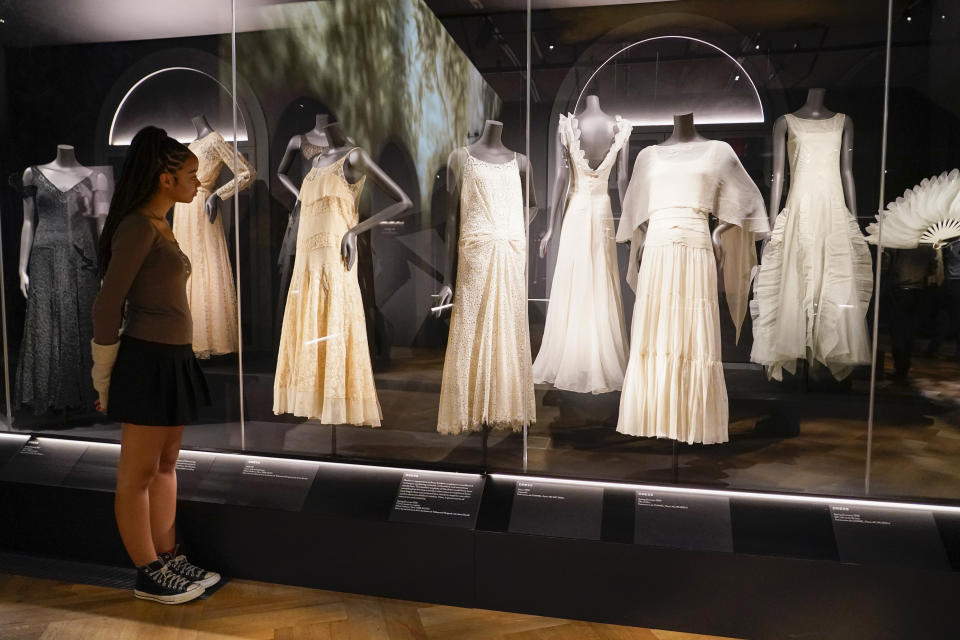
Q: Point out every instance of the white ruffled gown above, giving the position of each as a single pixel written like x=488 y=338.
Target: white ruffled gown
x=816 y=276
x=584 y=338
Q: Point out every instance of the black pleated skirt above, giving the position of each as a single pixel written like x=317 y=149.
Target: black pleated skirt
x=156 y=384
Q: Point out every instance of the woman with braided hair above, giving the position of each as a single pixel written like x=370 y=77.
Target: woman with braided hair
x=143 y=364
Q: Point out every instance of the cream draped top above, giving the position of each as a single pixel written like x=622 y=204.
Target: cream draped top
x=706 y=177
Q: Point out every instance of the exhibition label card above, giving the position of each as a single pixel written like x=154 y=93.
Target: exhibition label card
x=435 y=497
x=557 y=509
x=889 y=536
x=10 y=444
x=43 y=461
x=192 y=468
x=97 y=468
x=683 y=521
x=254 y=481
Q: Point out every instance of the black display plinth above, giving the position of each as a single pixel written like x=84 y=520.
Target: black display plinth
x=738 y=565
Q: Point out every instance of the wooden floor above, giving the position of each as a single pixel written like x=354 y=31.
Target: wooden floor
x=34 y=609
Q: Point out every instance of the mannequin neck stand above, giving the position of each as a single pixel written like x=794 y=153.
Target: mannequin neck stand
x=684 y=131
x=592 y=108
x=813 y=108
x=202 y=126
x=65 y=171
x=318 y=135
x=489 y=147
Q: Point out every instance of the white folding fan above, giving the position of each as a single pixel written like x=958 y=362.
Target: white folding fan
x=929 y=213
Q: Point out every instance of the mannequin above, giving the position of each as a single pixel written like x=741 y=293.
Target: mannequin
x=597 y=130
x=487 y=380
x=301 y=150
x=684 y=132
x=58 y=276
x=333 y=384
x=358 y=164
x=211 y=289
x=64 y=172
x=316 y=136
x=212 y=204
x=813 y=109
x=488 y=148
x=815 y=282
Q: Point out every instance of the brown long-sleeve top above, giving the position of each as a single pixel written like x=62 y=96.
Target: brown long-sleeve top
x=148 y=273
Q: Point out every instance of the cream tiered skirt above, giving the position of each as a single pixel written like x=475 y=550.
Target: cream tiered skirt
x=674 y=386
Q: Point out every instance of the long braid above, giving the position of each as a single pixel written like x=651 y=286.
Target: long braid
x=152 y=152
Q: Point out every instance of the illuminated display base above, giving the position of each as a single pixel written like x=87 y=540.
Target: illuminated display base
x=746 y=565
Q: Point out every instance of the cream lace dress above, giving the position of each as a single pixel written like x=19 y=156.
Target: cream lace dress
x=674 y=385
x=487 y=372
x=584 y=347
x=210 y=289
x=816 y=275
x=323 y=366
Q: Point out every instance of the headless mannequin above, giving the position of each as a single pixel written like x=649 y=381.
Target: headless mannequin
x=597 y=131
x=357 y=165
x=212 y=205
x=813 y=109
x=488 y=148
x=316 y=136
x=684 y=132
x=65 y=172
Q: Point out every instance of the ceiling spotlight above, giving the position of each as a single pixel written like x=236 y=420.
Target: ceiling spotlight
x=551 y=47
x=3 y=21
x=908 y=16
x=757 y=47
x=736 y=78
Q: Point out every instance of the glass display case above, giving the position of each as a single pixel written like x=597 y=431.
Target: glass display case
x=492 y=237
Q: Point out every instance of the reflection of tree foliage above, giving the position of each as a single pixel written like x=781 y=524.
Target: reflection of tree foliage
x=388 y=69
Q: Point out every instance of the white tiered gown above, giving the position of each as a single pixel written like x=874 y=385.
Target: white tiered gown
x=674 y=385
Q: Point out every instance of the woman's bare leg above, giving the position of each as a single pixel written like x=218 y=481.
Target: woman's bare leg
x=140 y=451
x=163 y=493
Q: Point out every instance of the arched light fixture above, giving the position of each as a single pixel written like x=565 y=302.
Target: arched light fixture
x=745 y=119
x=116 y=114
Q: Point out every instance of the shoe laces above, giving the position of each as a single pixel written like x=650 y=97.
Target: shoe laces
x=167 y=578
x=181 y=565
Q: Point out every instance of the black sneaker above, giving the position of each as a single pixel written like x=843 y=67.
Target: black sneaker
x=159 y=583
x=181 y=566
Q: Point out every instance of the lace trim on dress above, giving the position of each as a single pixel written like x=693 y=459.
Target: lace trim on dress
x=570 y=137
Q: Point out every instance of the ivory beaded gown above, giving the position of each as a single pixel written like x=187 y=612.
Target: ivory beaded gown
x=584 y=338
x=816 y=276
x=210 y=288
x=487 y=371
x=674 y=385
x=323 y=366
